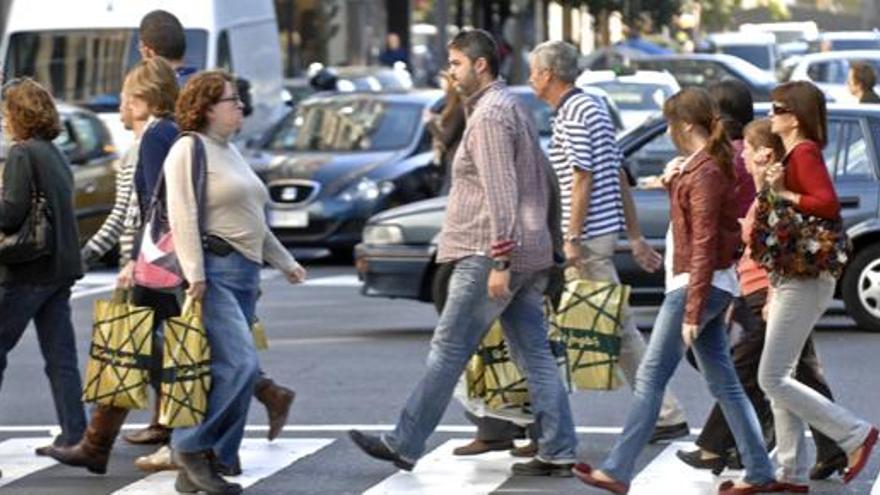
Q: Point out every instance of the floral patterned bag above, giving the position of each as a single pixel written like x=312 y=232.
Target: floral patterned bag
x=790 y=243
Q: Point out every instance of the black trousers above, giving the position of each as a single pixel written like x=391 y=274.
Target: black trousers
x=164 y=305
x=716 y=436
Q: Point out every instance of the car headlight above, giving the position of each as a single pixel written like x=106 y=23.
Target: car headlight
x=366 y=190
x=383 y=234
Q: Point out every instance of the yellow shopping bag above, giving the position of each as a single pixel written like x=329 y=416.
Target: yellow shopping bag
x=493 y=377
x=258 y=331
x=588 y=322
x=186 y=369
x=118 y=369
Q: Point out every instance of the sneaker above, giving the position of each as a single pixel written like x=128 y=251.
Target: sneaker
x=537 y=467
x=671 y=432
x=374 y=447
x=159 y=460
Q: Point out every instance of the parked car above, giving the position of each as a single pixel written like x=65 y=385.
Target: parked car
x=757 y=48
x=789 y=35
x=638 y=95
x=345 y=80
x=844 y=40
x=703 y=69
x=86 y=143
x=396 y=258
x=829 y=70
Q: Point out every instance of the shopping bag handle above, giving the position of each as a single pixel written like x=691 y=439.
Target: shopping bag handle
x=191 y=306
x=121 y=295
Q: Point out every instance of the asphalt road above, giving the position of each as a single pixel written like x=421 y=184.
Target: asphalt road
x=353 y=361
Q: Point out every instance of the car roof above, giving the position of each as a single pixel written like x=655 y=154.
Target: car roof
x=743 y=38
x=422 y=96
x=840 y=55
x=638 y=77
x=745 y=68
x=847 y=35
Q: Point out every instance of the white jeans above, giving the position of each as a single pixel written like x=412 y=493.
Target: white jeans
x=795 y=309
x=596 y=264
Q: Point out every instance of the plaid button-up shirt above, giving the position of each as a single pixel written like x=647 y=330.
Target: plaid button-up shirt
x=499 y=184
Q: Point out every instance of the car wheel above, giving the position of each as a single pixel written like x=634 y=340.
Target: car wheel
x=440 y=285
x=861 y=288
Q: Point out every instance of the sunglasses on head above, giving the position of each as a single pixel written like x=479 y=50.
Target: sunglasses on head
x=778 y=109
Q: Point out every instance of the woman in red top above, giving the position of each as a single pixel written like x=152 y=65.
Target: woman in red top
x=798 y=116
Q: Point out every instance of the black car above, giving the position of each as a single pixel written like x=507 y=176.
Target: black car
x=703 y=69
x=396 y=258
x=340 y=158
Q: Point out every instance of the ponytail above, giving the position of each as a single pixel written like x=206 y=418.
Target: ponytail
x=719 y=148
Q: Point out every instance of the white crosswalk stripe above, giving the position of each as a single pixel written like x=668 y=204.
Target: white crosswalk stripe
x=259 y=458
x=17 y=458
x=441 y=473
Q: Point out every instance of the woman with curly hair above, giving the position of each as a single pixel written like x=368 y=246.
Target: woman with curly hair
x=798 y=116
x=39 y=289
x=223 y=271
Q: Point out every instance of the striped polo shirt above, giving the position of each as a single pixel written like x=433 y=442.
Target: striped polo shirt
x=583 y=138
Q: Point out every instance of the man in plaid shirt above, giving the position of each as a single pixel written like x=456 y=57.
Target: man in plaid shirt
x=496 y=232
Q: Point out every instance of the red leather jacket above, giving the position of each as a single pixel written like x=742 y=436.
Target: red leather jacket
x=705 y=229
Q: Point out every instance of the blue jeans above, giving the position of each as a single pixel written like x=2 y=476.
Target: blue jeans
x=665 y=350
x=49 y=307
x=467 y=316
x=229 y=305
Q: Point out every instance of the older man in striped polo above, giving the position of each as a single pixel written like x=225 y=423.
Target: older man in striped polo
x=596 y=202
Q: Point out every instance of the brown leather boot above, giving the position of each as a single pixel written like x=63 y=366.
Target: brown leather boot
x=153 y=434
x=277 y=400
x=477 y=447
x=93 y=451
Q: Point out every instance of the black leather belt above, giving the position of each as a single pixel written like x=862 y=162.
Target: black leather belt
x=217 y=246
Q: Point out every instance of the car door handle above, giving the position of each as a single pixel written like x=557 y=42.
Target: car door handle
x=849 y=202
x=89 y=188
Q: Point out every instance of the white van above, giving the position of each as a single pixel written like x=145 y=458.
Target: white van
x=82 y=49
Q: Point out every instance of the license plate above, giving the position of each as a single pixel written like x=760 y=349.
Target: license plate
x=292 y=219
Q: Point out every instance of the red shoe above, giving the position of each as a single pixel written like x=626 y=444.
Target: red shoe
x=867 y=447
x=729 y=488
x=585 y=473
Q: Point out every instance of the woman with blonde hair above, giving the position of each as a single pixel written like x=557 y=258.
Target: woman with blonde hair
x=38 y=288
x=147 y=103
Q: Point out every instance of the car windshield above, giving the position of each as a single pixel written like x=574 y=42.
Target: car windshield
x=757 y=55
x=636 y=96
x=86 y=67
x=348 y=124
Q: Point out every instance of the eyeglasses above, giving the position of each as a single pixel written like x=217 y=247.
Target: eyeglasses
x=777 y=109
x=234 y=98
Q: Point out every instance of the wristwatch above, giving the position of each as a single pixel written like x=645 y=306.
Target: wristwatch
x=572 y=238
x=500 y=265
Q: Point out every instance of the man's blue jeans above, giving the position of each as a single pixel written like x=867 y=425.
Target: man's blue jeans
x=49 y=307
x=467 y=316
x=229 y=305
x=665 y=350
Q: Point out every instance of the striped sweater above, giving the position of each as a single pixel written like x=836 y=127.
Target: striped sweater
x=121 y=226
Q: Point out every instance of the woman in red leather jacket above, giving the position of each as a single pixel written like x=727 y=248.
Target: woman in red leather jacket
x=701 y=249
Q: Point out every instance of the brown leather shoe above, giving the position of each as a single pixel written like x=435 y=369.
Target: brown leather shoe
x=151 y=435
x=93 y=451
x=277 y=400
x=478 y=447
x=528 y=450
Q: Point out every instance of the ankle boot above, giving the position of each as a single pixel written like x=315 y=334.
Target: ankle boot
x=277 y=400
x=196 y=474
x=93 y=451
x=153 y=434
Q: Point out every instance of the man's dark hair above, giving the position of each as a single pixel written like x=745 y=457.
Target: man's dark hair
x=864 y=75
x=735 y=105
x=477 y=43
x=163 y=33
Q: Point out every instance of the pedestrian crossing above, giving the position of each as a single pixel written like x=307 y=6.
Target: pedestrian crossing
x=438 y=472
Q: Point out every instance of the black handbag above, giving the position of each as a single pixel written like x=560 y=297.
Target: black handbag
x=34 y=238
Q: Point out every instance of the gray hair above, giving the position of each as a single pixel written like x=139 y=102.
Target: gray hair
x=558 y=57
